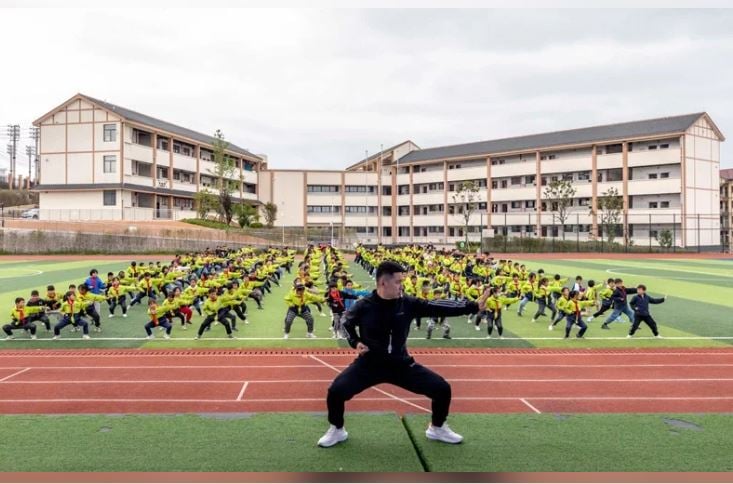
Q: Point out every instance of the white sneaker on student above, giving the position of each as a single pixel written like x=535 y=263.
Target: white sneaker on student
x=111 y=316
x=333 y=436
x=151 y=336
x=56 y=337
x=478 y=328
x=33 y=336
x=86 y=336
x=285 y=336
x=550 y=327
x=166 y=336
x=628 y=336
x=443 y=434
x=124 y=315
x=310 y=335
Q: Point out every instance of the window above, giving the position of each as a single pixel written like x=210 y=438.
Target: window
x=323 y=188
x=529 y=179
x=652 y=176
x=516 y=180
x=503 y=184
x=584 y=175
x=529 y=204
x=494 y=184
x=584 y=202
x=614 y=148
x=109 y=198
x=163 y=144
x=652 y=147
x=664 y=175
x=110 y=162
x=516 y=204
x=653 y=204
x=664 y=204
x=654 y=234
x=110 y=132
x=664 y=146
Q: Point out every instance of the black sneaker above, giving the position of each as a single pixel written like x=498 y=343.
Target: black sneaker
x=605 y=326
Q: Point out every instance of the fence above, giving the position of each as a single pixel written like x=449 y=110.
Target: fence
x=645 y=232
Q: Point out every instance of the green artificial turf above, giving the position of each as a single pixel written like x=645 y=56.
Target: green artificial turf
x=695 y=314
x=580 y=443
x=199 y=443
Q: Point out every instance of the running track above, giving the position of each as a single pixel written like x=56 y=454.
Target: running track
x=487 y=381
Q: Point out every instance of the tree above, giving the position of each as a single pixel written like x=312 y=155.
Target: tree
x=270 y=213
x=610 y=205
x=559 y=195
x=247 y=215
x=664 y=239
x=205 y=202
x=466 y=197
x=224 y=168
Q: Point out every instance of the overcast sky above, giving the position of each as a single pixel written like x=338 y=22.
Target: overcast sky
x=316 y=88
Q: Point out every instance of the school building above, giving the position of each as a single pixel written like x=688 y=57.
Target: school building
x=99 y=160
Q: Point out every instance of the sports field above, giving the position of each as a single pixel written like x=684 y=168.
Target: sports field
x=529 y=402
x=696 y=314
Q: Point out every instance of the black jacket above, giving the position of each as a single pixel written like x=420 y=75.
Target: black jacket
x=619 y=296
x=640 y=304
x=383 y=324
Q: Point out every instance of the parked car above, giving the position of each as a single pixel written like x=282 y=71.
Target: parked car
x=32 y=213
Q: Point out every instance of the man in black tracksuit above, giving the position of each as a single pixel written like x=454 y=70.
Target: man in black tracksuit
x=640 y=304
x=377 y=327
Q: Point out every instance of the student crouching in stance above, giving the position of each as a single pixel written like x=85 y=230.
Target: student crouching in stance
x=377 y=327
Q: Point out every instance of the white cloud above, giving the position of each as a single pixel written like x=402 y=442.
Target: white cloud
x=318 y=87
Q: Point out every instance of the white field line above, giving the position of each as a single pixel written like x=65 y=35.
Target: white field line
x=301 y=380
x=455 y=338
x=489 y=365
x=534 y=409
x=359 y=398
x=438 y=352
x=241 y=392
x=14 y=374
x=377 y=389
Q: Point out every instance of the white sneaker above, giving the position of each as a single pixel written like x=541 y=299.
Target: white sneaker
x=86 y=336
x=534 y=320
x=246 y=321
x=167 y=336
x=501 y=337
x=590 y=318
x=443 y=434
x=550 y=327
x=659 y=336
x=152 y=336
x=56 y=337
x=111 y=316
x=33 y=336
x=124 y=315
x=478 y=328
x=8 y=338
x=468 y=321
x=285 y=336
x=333 y=436
x=628 y=336
x=310 y=335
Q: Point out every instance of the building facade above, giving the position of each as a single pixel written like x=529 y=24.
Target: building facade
x=99 y=161
x=665 y=171
x=726 y=209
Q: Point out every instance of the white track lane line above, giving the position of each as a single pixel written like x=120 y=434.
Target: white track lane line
x=377 y=389
x=241 y=392
x=14 y=374
x=534 y=409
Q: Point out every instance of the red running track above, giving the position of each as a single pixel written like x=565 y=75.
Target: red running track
x=483 y=381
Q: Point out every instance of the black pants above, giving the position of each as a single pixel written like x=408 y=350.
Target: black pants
x=367 y=371
x=649 y=322
x=605 y=306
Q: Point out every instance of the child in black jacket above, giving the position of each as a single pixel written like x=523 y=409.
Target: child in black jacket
x=640 y=304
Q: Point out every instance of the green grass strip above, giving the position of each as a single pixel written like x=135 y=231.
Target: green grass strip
x=581 y=443
x=202 y=443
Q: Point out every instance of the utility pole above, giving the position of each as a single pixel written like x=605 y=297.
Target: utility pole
x=14 y=135
x=34 y=133
x=30 y=151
